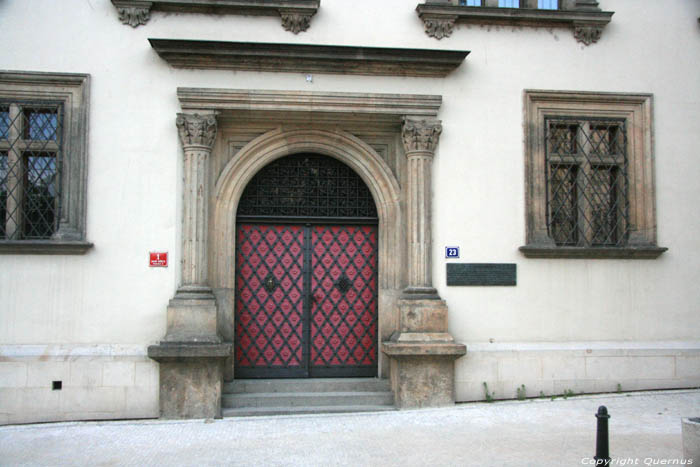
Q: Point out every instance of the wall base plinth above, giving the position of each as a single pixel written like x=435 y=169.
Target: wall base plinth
x=422 y=368
x=191 y=378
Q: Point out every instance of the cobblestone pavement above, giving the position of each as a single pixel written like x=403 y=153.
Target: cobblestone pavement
x=645 y=427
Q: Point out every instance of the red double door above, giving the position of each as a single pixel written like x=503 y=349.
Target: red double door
x=306 y=301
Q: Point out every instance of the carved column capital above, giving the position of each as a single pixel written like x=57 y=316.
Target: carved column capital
x=587 y=33
x=296 y=21
x=133 y=12
x=196 y=131
x=439 y=27
x=420 y=134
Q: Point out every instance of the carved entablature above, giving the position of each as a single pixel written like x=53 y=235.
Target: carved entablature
x=295 y=14
x=420 y=134
x=196 y=131
x=583 y=17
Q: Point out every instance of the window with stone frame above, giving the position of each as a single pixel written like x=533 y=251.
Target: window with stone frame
x=541 y=4
x=43 y=155
x=583 y=17
x=590 y=183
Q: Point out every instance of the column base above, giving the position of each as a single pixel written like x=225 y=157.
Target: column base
x=192 y=320
x=420 y=293
x=422 y=368
x=191 y=378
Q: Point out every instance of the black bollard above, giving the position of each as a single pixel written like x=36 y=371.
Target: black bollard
x=602 y=449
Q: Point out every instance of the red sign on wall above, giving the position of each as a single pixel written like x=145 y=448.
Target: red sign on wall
x=158 y=259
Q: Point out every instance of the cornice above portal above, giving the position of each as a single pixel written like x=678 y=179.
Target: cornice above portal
x=304 y=58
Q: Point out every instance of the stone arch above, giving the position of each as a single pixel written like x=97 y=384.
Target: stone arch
x=352 y=151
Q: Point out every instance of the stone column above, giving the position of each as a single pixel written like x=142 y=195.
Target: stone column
x=191 y=354
x=420 y=138
x=422 y=352
x=197 y=135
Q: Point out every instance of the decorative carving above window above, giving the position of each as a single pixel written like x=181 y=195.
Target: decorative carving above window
x=295 y=14
x=583 y=17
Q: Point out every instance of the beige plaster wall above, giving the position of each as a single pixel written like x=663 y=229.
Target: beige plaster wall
x=110 y=296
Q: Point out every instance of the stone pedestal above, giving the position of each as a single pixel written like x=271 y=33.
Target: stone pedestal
x=422 y=369
x=422 y=355
x=191 y=378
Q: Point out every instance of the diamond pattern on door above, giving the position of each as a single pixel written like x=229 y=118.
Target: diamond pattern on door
x=269 y=297
x=344 y=290
x=306 y=301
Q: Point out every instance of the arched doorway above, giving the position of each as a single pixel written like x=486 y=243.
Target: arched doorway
x=306 y=286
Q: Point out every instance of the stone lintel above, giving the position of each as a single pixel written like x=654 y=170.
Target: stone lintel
x=304 y=58
x=338 y=104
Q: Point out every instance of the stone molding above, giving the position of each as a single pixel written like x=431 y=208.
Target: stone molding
x=295 y=14
x=636 y=109
x=196 y=131
x=584 y=18
x=304 y=58
x=72 y=90
x=334 y=104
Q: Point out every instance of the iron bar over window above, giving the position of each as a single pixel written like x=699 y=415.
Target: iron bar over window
x=587 y=181
x=307 y=185
x=30 y=169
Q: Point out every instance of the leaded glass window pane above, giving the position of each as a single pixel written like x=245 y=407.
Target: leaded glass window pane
x=548 y=4
x=3 y=192
x=470 y=2
x=40 y=124
x=587 y=201
x=30 y=170
x=4 y=121
x=509 y=3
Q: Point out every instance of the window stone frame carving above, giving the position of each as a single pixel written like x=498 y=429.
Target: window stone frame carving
x=636 y=110
x=72 y=90
x=295 y=14
x=583 y=17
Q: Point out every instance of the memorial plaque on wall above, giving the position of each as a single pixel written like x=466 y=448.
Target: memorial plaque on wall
x=481 y=274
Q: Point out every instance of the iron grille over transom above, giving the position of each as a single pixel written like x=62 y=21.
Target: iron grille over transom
x=587 y=170
x=30 y=168
x=307 y=185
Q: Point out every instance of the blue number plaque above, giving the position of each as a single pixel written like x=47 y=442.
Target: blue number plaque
x=451 y=252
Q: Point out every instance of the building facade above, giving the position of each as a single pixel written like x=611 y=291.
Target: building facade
x=469 y=199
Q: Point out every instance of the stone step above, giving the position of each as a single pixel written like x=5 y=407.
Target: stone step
x=269 y=411
x=248 y=386
x=307 y=399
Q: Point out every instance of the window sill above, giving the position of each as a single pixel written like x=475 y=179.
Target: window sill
x=439 y=20
x=295 y=14
x=630 y=252
x=43 y=247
